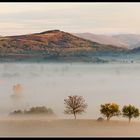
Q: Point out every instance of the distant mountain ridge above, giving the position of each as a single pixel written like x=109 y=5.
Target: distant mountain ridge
x=132 y=40
x=102 y=39
x=129 y=41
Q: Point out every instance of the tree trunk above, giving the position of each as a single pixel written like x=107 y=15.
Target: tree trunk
x=108 y=118
x=129 y=120
x=74 y=116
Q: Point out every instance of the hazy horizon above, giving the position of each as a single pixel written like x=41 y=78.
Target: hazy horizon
x=97 y=18
x=106 y=34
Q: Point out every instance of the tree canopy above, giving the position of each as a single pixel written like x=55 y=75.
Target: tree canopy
x=130 y=112
x=109 y=110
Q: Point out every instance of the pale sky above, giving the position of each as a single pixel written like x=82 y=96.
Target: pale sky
x=98 y=18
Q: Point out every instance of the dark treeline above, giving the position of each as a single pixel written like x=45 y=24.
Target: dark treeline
x=34 y=111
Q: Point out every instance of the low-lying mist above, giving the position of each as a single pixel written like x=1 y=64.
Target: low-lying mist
x=48 y=84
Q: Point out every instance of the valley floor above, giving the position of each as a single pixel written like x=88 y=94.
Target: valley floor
x=67 y=128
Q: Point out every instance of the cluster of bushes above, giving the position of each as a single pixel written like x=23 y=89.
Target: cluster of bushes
x=34 y=111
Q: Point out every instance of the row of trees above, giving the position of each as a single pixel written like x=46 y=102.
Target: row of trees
x=77 y=105
x=112 y=109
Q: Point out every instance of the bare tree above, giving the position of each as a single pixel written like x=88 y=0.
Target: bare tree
x=75 y=105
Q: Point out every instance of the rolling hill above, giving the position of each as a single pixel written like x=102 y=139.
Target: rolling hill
x=53 y=44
